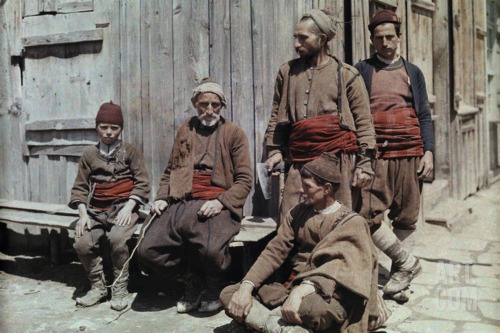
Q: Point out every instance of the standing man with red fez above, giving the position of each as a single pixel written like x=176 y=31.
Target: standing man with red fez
x=200 y=202
x=110 y=185
x=320 y=105
x=405 y=139
x=332 y=279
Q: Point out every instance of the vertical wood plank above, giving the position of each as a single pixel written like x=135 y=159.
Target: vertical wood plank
x=404 y=12
x=360 y=38
x=130 y=43
x=71 y=172
x=301 y=7
x=191 y=46
x=157 y=88
x=241 y=75
x=220 y=49
x=420 y=44
x=444 y=160
x=112 y=51
x=13 y=169
x=480 y=84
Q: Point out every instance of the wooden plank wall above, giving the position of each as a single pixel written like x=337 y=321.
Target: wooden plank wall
x=480 y=89
x=14 y=171
x=64 y=81
x=153 y=53
x=443 y=82
x=470 y=171
x=240 y=44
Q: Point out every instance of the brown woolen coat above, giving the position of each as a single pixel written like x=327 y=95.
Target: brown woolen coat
x=232 y=166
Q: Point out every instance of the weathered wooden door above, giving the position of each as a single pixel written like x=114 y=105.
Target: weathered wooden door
x=469 y=123
x=70 y=56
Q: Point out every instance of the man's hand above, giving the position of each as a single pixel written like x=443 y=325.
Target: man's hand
x=210 y=208
x=158 y=207
x=273 y=160
x=290 y=309
x=84 y=221
x=124 y=216
x=426 y=165
x=361 y=179
x=241 y=302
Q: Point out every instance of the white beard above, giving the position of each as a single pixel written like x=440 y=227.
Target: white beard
x=209 y=121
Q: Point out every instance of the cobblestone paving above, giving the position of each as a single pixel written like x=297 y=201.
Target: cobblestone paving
x=458 y=290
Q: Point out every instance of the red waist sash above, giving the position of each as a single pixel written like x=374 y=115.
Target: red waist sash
x=401 y=129
x=310 y=138
x=107 y=193
x=203 y=188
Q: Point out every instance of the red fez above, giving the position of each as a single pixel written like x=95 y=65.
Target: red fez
x=109 y=113
x=383 y=16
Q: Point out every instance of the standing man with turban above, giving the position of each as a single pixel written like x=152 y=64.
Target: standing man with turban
x=320 y=105
x=200 y=203
x=405 y=139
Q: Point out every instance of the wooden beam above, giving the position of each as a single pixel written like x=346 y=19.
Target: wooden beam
x=57 y=151
x=61 y=124
x=64 y=38
x=466 y=109
x=424 y=4
x=37 y=207
x=37 y=219
x=73 y=7
x=392 y=3
x=60 y=142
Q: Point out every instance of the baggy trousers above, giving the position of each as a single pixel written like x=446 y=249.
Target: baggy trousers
x=395 y=187
x=180 y=239
x=87 y=246
x=315 y=312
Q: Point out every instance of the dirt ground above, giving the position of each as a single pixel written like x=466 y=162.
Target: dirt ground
x=37 y=296
x=458 y=291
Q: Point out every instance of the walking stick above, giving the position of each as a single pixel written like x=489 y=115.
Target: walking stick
x=143 y=232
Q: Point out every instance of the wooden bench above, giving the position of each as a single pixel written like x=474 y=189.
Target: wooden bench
x=58 y=216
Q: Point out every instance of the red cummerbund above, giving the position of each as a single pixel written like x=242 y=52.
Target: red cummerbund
x=203 y=188
x=107 y=193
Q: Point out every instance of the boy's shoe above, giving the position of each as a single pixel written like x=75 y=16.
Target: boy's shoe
x=96 y=294
x=119 y=294
x=193 y=286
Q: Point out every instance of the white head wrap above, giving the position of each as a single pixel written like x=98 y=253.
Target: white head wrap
x=208 y=87
x=324 y=22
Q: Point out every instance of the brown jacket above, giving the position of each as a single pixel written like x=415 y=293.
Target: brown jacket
x=93 y=167
x=294 y=92
x=333 y=250
x=232 y=166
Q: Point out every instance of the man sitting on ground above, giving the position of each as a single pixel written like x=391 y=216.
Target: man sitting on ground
x=332 y=282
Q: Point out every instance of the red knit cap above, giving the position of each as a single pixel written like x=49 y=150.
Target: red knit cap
x=383 y=16
x=109 y=113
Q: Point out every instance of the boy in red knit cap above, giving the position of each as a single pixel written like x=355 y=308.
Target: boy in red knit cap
x=110 y=185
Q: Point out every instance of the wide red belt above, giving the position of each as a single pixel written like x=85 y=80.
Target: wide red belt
x=203 y=188
x=310 y=138
x=106 y=193
x=398 y=133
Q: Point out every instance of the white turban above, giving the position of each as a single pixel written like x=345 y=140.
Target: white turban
x=324 y=22
x=209 y=87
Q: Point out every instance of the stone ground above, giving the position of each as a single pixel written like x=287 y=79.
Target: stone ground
x=458 y=290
